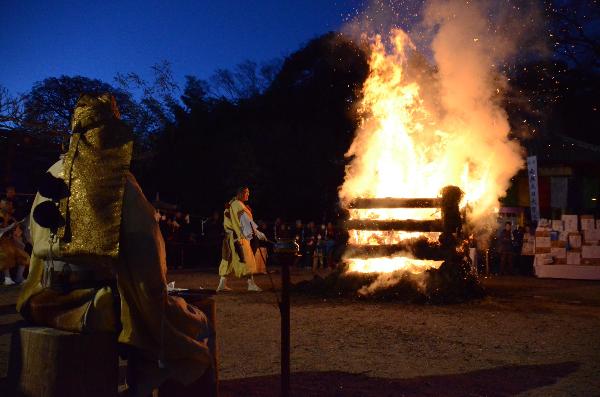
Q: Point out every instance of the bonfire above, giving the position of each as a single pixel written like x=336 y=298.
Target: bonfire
x=421 y=172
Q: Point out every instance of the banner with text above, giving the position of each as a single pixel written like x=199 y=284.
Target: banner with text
x=534 y=200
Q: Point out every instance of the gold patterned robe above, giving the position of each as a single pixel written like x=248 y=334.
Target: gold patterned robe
x=110 y=225
x=230 y=259
x=141 y=280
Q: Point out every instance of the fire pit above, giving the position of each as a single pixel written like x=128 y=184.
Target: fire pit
x=414 y=260
x=402 y=236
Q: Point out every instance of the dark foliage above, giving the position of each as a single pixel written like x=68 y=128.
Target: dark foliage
x=287 y=143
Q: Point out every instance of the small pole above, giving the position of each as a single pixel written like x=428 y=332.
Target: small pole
x=285 y=327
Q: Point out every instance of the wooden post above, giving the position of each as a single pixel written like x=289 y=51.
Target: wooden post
x=285 y=253
x=57 y=363
x=285 y=328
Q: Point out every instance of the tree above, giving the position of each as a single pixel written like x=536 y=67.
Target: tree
x=48 y=107
x=574 y=31
x=286 y=139
x=245 y=81
x=11 y=109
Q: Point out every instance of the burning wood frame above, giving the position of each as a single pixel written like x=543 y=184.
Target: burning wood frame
x=419 y=234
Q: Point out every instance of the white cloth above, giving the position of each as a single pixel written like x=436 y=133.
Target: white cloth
x=249 y=228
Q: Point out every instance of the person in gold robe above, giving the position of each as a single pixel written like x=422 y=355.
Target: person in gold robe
x=103 y=269
x=237 y=255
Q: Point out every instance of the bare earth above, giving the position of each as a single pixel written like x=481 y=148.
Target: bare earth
x=529 y=337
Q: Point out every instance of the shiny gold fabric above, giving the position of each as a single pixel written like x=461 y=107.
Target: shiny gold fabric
x=158 y=325
x=110 y=223
x=94 y=170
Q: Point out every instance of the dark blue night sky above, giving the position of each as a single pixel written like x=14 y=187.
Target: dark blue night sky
x=97 y=39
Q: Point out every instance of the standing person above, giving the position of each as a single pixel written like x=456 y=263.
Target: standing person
x=506 y=249
x=298 y=232
x=237 y=254
x=527 y=251
x=20 y=207
x=518 y=236
x=330 y=238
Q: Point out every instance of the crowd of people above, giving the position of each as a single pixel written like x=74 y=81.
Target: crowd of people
x=182 y=231
x=512 y=250
x=196 y=241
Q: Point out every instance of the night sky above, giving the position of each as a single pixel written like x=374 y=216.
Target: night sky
x=97 y=39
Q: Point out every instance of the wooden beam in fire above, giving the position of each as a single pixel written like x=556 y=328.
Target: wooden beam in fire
x=408 y=225
x=430 y=251
x=390 y=202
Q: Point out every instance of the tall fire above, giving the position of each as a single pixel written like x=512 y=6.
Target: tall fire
x=407 y=150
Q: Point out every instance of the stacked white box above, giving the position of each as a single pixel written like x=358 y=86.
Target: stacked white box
x=557 y=225
x=587 y=222
x=573 y=258
x=591 y=236
x=559 y=253
x=590 y=251
x=570 y=223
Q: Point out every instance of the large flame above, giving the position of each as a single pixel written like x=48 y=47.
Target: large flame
x=408 y=148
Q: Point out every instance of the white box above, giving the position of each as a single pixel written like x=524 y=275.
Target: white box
x=558 y=252
x=591 y=236
x=570 y=223
x=575 y=240
x=543 y=259
x=587 y=222
x=590 y=251
x=563 y=236
x=557 y=225
x=542 y=242
x=543 y=223
x=573 y=258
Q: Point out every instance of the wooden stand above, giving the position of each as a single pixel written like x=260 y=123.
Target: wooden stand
x=65 y=364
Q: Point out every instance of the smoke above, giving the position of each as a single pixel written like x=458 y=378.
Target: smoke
x=456 y=116
x=472 y=44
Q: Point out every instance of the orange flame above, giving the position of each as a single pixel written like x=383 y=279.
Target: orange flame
x=404 y=149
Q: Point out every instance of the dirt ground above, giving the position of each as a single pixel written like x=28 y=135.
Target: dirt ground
x=528 y=337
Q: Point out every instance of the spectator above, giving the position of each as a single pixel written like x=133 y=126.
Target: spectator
x=12 y=253
x=506 y=250
x=284 y=231
x=6 y=213
x=518 y=235
x=297 y=233
x=319 y=254
x=527 y=251
x=330 y=241
x=19 y=206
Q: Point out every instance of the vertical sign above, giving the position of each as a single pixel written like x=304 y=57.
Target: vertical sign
x=534 y=199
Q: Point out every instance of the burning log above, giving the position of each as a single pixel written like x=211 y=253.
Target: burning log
x=420 y=249
x=390 y=202
x=390 y=238
x=409 y=225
